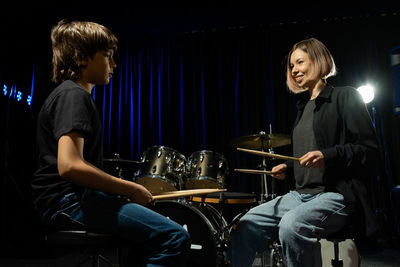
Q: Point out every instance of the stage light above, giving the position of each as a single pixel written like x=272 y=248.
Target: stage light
x=367 y=93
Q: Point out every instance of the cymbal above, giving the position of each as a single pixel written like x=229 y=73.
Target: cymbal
x=261 y=141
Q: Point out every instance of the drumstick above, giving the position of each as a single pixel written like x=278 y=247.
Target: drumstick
x=261 y=153
x=255 y=171
x=185 y=193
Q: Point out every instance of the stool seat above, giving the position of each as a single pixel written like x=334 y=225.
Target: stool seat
x=89 y=242
x=340 y=235
x=82 y=238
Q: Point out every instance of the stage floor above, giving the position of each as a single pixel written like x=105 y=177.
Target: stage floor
x=381 y=255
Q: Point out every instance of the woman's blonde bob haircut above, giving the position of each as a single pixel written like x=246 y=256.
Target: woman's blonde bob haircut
x=323 y=63
x=75 y=41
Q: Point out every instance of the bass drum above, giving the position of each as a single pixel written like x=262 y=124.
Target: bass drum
x=207 y=229
x=229 y=204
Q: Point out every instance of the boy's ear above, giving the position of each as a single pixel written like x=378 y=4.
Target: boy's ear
x=83 y=63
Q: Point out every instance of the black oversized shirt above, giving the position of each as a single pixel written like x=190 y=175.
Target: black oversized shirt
x=346 y=137
x=68 y=108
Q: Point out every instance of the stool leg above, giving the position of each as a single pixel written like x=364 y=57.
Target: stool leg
x=90 y=257
x=120 y=256
x=264 y=259
x=96 y=260
x=336 y=262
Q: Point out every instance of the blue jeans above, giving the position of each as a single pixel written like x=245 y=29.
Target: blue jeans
x=156 y=240
x=298 y=220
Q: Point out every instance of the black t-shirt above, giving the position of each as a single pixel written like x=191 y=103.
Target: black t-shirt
x=308 y=180
x=68 y=108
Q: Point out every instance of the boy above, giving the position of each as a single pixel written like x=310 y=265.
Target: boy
x=70 y=187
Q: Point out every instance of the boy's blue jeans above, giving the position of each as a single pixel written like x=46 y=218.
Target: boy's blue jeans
x=298 y=220
x=158 y=240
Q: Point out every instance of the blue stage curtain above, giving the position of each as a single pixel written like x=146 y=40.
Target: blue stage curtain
x=200 y=90
x=195 y=92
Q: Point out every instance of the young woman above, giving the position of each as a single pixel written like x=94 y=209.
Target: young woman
x=337 y=146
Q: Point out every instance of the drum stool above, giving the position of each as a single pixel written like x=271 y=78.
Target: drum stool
x=336 y=239
x=90 y=243
x=348 y=249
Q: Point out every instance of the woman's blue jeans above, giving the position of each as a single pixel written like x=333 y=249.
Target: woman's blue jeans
x=156 y=240
x=298 y=220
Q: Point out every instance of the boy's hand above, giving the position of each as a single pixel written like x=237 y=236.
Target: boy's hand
x=141 y=195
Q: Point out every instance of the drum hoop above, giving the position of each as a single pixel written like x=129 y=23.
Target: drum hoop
x=226 y=201
x=164 y=148
x=212 y=228
x=204 y=177
x=172 y=183
x=219 y=215
x=208 y=152
x=157 y=176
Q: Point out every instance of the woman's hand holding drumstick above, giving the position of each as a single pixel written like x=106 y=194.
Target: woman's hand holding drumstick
x=312 y=159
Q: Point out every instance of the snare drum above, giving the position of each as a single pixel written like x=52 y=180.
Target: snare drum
x=206 y=227
x=206 y=169
x=229 y=204
x=162 y=169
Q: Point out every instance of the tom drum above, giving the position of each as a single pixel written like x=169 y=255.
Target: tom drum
x=162 y=169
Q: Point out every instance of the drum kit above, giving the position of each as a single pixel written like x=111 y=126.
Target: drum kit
x=191 y=191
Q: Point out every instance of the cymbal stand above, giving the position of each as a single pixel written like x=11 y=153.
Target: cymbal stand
x=271 y=150
x=273 y=181
x=264 y=184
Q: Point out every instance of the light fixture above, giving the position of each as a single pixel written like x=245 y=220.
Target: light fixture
x=367 y=93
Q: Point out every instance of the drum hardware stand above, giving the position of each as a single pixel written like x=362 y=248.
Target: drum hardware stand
x=221 y=203
x=264 y=181
x=273 y=182
x=271 y=150
x=276 y=257
x=264 y=185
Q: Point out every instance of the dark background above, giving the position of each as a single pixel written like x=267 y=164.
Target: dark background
x=207 y=76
